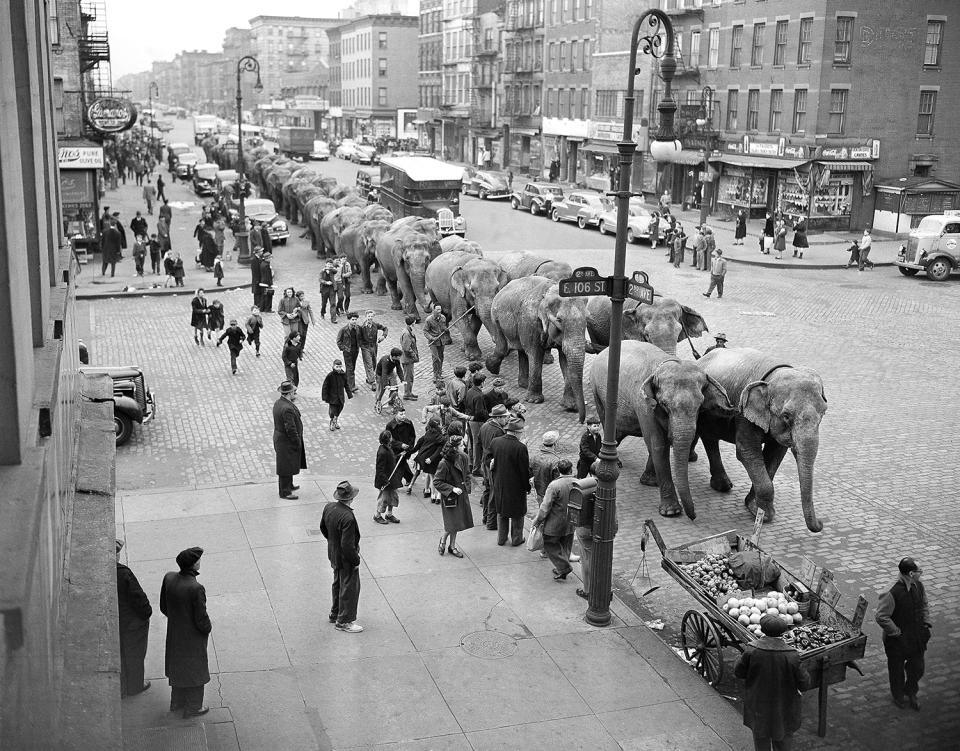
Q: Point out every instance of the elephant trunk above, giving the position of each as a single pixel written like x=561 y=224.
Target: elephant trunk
x=574 y=354
x=683 y=431
x=805 y=452
x=418 y=284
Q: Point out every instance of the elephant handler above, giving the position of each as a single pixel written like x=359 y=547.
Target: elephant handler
x=438 y=335
x=371 y=334
x=409 y=358
x=328 y=291
x=510 y=473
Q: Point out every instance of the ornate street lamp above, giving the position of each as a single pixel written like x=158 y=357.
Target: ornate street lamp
x=249 y=64
x=153 y=117
x=706 y=119
x=653 y=24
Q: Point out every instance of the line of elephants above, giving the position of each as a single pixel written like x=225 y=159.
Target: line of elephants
x=762 y=405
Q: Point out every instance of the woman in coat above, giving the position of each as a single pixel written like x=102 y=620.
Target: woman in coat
x=800 y=242
x=428 y=448
x=289 y=311
x=452 y=481
x=780 y=239
x=291 y=356
x=198 y=315
x=386 y=480
x=741 y=231
x=305 y=317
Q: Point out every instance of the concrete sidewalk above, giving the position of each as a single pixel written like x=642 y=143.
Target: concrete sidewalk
x=487 y=652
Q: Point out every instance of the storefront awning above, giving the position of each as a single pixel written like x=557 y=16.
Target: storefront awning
x=739 y=160
x=600 y=147
x=847 y=166
x=688 y=156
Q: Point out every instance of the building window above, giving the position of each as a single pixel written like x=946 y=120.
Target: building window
x=382 y=41
x=736 y=45
x=806 y=41
x=780 y=44
x=928 y=105
x=576 y=11
x=776 y=109
x=732 y=96
x=383 y=67
x=584 y=104
x=609 y=104
x=587 y=10
x=563 y=55
x=574 y=56
x=564 y=104
x=552 y=56
x=756 y=51
x=58 y=119
x=843 y=43
x=838 y=109
x=53 y=24
x=753 y=109
x=799 y=111
x=713 y=47
x=382 y=96
x=694 y=49
x=933 y=43
x=587 y=45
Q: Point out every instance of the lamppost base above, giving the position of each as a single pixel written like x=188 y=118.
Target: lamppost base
x=243 y=248
x=601 y=618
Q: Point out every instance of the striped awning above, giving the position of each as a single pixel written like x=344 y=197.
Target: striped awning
x=847 y=166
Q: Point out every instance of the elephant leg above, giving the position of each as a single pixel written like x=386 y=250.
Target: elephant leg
x=773 y=454
x=366 y=285
x=472 y=327
x=535 y=381
x=396 y=302
x=649 y=476
x=523 y=369
x=750 y=453
x=718 y=474
x=547 y=357
x=568 y=401
x=381 y=285
x=658 y=452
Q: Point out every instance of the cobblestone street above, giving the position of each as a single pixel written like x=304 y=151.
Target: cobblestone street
x=885 y=483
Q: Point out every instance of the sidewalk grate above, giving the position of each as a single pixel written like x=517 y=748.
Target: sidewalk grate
x=489 y=645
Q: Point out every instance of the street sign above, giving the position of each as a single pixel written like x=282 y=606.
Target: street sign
x=639 y=289
x=586 y=282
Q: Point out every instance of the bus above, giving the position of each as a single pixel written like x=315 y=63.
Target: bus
x=423 y=186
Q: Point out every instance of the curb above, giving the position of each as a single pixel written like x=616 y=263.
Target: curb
x=159 y=292
x=805 y=267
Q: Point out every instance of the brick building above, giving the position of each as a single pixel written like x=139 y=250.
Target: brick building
x=521 y=85
x=284 y=45
x=430 y=74
x=814 y=103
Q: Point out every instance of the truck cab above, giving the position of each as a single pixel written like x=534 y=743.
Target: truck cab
x=933 y=247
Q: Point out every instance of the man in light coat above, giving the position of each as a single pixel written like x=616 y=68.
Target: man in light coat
x=409 y=356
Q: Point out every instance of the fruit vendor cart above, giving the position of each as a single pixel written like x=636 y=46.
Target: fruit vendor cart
x=828 y=642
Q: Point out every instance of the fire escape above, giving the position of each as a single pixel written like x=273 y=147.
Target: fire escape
x=93 y=45
x=481 y=96
x=522 y=64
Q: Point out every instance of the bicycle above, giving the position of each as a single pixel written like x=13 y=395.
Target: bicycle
x=390 y=399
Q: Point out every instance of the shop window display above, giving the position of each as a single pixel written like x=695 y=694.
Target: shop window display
x=742 y=187
x=833 y=199
x=794 y=194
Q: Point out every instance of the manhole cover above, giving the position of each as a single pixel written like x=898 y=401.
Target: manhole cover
x=488 y=645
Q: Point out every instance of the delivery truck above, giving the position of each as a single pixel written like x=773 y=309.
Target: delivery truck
x=295 y=142
x=203 y=126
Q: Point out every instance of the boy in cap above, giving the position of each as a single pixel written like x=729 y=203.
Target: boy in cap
x=254 y=326
x=235 y=337
x=339 y=527
x=904 y=616
x=543 y=464
x=333 y=391
x=386 y=480
x=184 y=601
x=328 y=292
x=774 y=679
x=590 y=443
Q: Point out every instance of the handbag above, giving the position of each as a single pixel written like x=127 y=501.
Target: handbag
x=535 y=539
x=449 y=500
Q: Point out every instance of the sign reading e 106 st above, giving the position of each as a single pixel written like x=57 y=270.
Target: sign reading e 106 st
x=585 y=282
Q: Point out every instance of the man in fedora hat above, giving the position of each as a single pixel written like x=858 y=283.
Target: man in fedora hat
x=134 y=610
x=510 y=471
x=184 y=601
x=904 y=616
x=339 y=526
x=721 y=343
x=288 y=440
x=774 y=679
x=492 y=428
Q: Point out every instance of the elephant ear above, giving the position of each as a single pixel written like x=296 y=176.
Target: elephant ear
x=716 y=398
x=816 y=377
x=458 y=281
x=691 y=323
x=650 y=388
x=502 y=278
x=755 y=404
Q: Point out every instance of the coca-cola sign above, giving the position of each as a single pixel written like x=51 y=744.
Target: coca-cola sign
x=111 y=115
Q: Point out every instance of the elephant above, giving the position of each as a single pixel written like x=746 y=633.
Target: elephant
x=457 y=243
x=404 y=255
x=529 y=315
x=519 y=264
x=353 y=201
x=458 y=280
x=376 y=211
x=342 y=191
x=276 y=176
x=779 y=407
x=313 y=211
x=327 y=184
x=333 y=224
x=660 y=400
x=359 y=243
x=301 y=196
x=664 y=323
x=289 y=189
x=261 y=167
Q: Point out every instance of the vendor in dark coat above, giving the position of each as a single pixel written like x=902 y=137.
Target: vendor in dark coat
x=266 y=283
x=510 y=472
x=288 y=439
x=774 y=679
x=208 y=249
x=184 y=601
x=134 y=610
x=110 y=246
x=404 y=439
x=590 y=443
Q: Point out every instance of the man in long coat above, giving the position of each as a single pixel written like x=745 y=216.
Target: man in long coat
x=339 y=526
x=255 y=287
x=288 y=440
x=134 y=610
x=266 y=283
x=774 y=679
x=510 y=471
x=184 y=601
x=491 y=429
x=110 y=247
x=348 y=342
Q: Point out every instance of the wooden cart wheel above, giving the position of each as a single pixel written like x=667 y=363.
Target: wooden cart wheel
x=702 y=645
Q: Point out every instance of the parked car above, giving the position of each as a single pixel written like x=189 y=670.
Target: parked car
x=263 y=210
x=321 y=151
x=537 y=198
x=345 y=149
x=205 y=179
x=185 y=164
x=933 y=247
x=225 y=176
x=581 y=206
x=638 y=223
x=133 y=402
x=164 y=126
x=177 y=149
x=364 y=154
x=486 y=184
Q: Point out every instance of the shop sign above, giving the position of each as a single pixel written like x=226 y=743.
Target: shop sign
x=80 y=157
x=795 y=152
x=111 y=115
x=310 y=103
x=868 y=150
x=763 y=149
